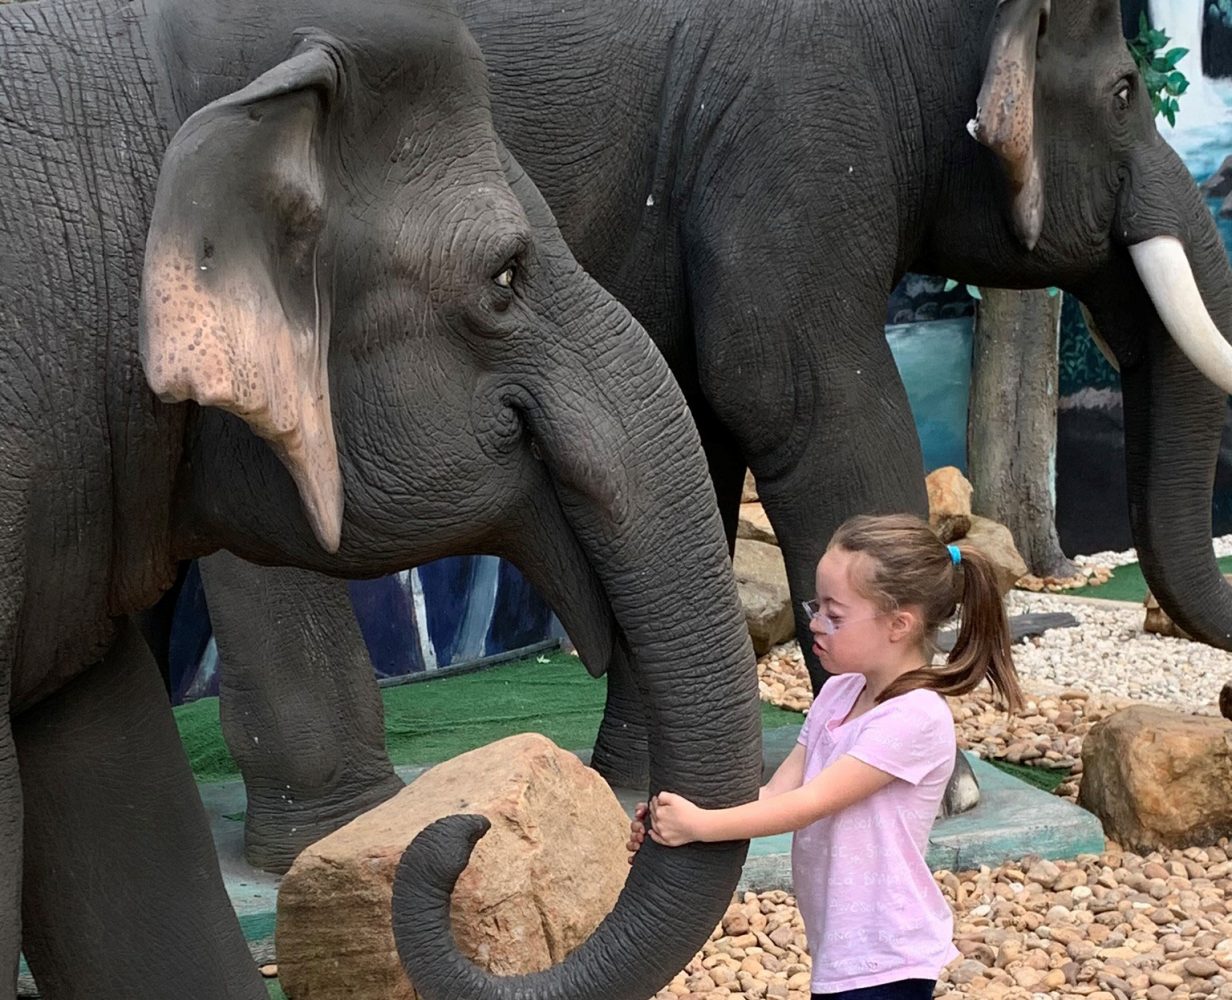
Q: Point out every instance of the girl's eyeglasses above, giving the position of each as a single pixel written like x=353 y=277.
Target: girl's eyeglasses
x=813 y=612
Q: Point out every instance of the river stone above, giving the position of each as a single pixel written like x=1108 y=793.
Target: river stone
x=748 y=493
x=761 y=579
x=1159 y=779
x=949 y=502
x=537 y=886
x=755 y=525
x=997 y=545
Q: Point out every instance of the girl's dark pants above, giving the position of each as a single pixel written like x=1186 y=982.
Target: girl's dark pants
x=904 y=989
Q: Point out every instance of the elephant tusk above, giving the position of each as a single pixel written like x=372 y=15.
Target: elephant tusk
x=1164 y=269
x=1102 y=344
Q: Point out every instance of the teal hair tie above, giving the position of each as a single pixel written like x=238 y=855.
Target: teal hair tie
x=955 y=554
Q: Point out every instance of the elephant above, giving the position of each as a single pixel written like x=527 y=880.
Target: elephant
x=271 y=283
x=775 y=170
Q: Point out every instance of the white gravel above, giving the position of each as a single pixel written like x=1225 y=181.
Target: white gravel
x=1110 y=654
x=1222 y=546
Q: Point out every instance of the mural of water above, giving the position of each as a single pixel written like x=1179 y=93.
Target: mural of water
x=1205 y=114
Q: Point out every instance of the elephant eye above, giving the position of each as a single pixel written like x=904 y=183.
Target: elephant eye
x=505 y=278
x=1122 y=94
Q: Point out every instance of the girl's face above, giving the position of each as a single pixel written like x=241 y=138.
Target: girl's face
x=851 y=634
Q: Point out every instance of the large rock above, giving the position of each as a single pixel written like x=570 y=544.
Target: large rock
x=538 y=883
x=761 y=579
x=997 y=545
x=755 y=525
x=949 y=503
x=1158 y=779
x=749 y=493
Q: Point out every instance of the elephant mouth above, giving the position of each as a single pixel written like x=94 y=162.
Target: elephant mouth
x=546 y=548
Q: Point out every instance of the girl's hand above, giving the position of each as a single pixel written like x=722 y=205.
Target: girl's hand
x=674 y=820
x=637 y=830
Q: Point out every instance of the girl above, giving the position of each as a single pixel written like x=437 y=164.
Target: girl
x=862 y=786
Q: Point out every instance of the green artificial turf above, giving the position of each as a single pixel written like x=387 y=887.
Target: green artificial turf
x=435 y=720
x=1127 y=584
x=1046 y=778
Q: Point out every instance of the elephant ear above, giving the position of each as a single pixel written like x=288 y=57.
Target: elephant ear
x=235 y=312
x=1005 y=118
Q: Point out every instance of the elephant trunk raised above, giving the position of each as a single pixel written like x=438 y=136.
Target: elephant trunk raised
x=1170 y=305
x=621 y=490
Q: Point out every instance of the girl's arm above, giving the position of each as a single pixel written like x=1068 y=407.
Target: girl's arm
x=789 y=775
x=675 y=820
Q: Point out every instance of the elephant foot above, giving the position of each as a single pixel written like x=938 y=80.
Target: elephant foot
x=621 y=755
x=277 y=829
x=1225 y=701
x=963 y=792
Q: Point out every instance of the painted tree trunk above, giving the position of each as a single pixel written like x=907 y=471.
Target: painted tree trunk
x=1012 y=421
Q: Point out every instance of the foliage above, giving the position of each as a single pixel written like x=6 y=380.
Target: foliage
x=1163 y=81
x=974 y=292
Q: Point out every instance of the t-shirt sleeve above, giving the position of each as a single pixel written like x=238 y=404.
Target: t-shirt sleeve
x=909 y=739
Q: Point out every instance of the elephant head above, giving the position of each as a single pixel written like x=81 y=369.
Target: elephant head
x=395 y=357
x=1070 y=184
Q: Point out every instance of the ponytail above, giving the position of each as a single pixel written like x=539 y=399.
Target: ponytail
x=911 y=567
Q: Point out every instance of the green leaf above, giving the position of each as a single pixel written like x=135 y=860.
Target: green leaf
x=950 y=284
x=1174 y=56
x=1053 y=292
x=975 y=293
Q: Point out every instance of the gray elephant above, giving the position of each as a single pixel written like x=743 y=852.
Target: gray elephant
x=298 y=220
x=752 y=180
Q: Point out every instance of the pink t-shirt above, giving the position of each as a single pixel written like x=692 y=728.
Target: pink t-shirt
x=871 y=909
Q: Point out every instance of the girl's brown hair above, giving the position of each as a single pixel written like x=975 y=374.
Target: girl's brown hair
x=909 y=566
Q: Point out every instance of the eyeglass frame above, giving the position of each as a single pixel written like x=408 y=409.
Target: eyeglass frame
x=813 y=612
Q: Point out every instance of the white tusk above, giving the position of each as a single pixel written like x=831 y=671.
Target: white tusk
x=1164 y=269
x=1102 y=344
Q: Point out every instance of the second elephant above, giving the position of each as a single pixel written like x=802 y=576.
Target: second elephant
x=774 y=171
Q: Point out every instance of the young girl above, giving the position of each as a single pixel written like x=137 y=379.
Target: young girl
x=864 y=783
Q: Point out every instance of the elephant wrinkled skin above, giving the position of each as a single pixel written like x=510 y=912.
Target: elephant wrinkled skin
x=369 y=347
x=752 y=180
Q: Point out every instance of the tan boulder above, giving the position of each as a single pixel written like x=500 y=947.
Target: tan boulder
x=749 y=493
x=1158 y=779
x=538 y=883
x=949 y=503
x=761 y=579
x=996 y=543
x=755 y=525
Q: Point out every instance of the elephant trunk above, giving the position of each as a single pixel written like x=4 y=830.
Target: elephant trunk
x=1168 y=312
x=627 y=466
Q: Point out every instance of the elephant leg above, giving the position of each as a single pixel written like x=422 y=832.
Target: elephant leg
x=122 y=896
x=793 y=359
x=11 y=806
x=301 y=711
x=156 y=622
x=726 y=464
x=10 y=852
